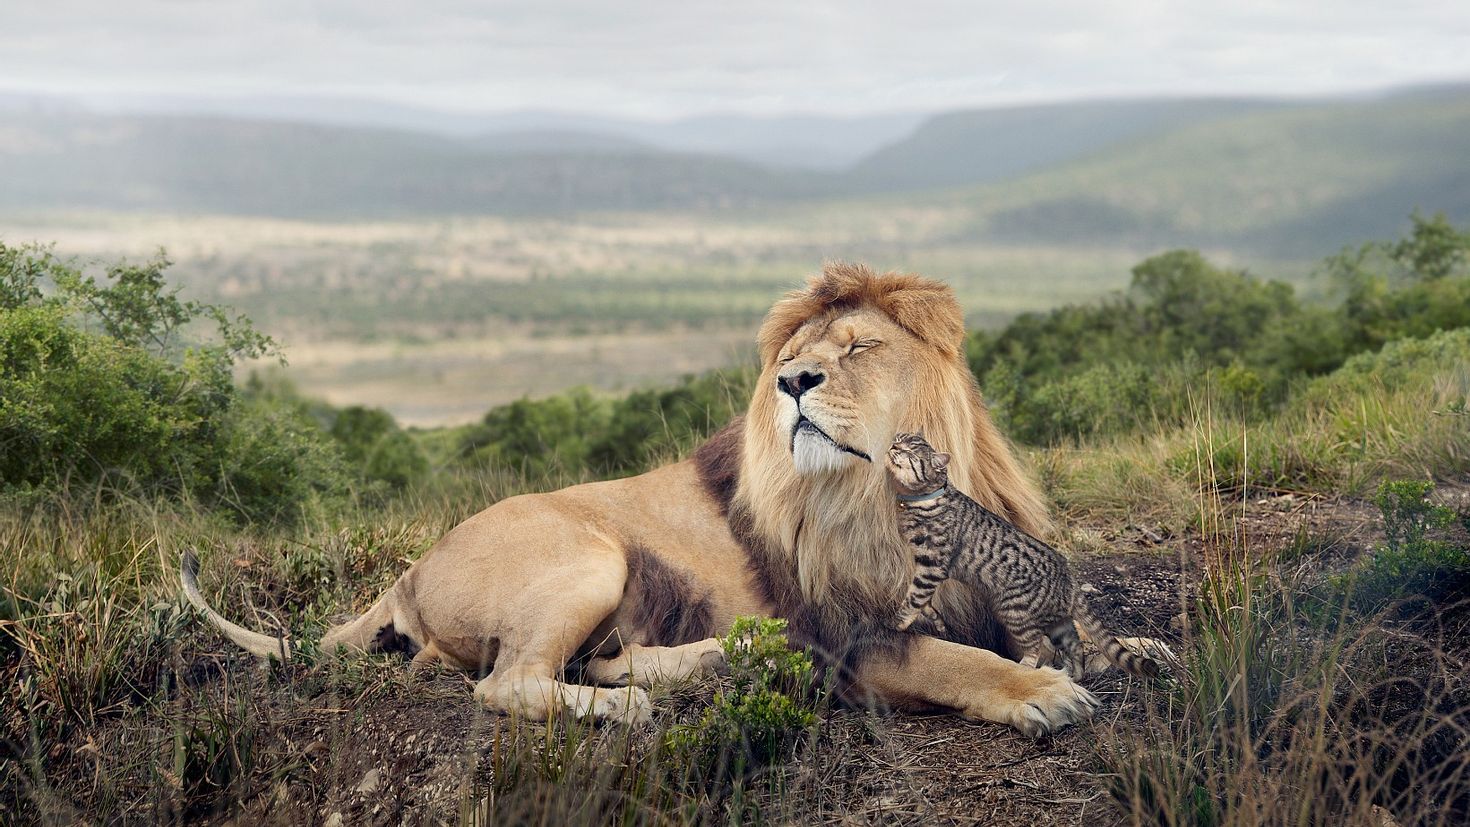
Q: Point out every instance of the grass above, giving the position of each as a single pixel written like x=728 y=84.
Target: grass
x=1295 y=705
x=1394 y=414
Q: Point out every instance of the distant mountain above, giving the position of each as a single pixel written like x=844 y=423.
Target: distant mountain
x=987 y=145
x=535 y=141
x=271 y=168
x=828 y=143
x=1294 y=178
x=1300 y=180
x=793 y=141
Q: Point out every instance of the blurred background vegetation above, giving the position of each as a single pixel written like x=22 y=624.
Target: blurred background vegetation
x=120 y=383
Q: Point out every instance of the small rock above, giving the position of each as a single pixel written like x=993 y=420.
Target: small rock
x=371 y=781
x=333 y=820
x=1088 y=588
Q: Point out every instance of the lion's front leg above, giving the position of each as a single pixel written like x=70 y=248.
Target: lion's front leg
x=977 y=684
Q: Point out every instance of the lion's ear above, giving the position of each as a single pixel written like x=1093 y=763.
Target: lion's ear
x=941 y=461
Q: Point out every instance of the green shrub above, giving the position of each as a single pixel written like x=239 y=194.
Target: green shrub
x=1412 y=560
x=647 y=426
x=277 y=464
x=1137 y=359
x=761 y=717
x=538 y=435
x=1189 y=335
x=576 y=432
x=376 y=447
x=105 y=384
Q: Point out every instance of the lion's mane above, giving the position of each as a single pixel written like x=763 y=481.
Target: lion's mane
x=825 y=550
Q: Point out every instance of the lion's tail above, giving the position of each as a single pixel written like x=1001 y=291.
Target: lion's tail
x=1120 y=656
x=255 y=643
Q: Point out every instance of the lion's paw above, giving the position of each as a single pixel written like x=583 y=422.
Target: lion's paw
x=1053 y=702
x=629 y=706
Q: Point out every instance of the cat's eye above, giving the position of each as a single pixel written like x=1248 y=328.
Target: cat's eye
x=861 y=345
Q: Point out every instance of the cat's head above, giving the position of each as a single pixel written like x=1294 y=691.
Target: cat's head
x=914 y=467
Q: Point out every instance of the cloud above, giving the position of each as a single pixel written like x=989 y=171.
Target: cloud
x=657 y=59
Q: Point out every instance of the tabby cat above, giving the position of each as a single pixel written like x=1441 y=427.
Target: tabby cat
x=1027 y=582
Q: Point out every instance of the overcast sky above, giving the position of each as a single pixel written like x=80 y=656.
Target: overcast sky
x=665 y=59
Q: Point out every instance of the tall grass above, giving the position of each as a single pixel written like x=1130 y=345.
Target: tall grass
x=1290 y=708
x=1397 y=413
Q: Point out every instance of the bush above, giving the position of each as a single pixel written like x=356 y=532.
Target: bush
x=762 y=716
x=99 y=385
x=1126 y=363
x=1415 y=286
x=376 y=447
x=1188 y=334
x=537 y=436
x=277 y=464
x=1411 y=561
x=577 y=432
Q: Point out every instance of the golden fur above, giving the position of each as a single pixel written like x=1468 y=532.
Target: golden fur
x=781 y=513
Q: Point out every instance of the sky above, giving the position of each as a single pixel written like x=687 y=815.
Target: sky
x=670 y=59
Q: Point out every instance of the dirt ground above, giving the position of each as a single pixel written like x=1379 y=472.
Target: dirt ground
x=379 y=747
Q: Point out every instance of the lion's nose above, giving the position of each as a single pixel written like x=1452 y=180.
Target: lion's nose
x=800 y=383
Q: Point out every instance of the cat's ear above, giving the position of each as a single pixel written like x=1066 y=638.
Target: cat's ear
x=941 y=461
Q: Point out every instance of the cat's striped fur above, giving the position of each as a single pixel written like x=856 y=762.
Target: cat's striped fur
x=1027 y=581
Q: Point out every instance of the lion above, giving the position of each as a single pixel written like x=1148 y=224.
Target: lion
x=624 y=583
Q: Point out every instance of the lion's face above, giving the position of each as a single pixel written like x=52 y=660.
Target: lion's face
x=841 y=385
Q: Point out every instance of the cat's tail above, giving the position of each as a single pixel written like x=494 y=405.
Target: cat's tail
x=1119 y=655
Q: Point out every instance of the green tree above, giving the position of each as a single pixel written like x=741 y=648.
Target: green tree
x=1415 y=286
x=374 y=444
x=122 y=382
